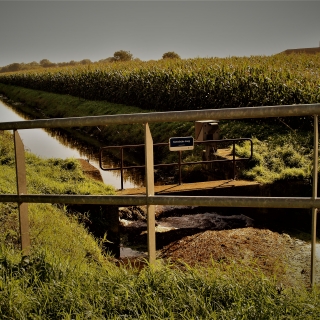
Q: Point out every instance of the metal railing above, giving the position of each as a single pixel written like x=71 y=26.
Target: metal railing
x=22 y=198
x=178 y=164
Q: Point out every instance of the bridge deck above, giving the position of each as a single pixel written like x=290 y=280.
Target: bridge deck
x=207 y=187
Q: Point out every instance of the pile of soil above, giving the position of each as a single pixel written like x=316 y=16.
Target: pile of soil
x=271 y=252
x=200 y=239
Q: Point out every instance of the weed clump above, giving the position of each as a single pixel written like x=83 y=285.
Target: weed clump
x=283 y=154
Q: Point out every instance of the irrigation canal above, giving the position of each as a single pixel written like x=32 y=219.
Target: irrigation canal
x=54 y=144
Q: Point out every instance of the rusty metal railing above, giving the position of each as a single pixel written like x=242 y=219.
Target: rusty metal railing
x=178 y=164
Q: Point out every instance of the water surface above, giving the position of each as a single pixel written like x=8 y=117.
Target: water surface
x=54 y=144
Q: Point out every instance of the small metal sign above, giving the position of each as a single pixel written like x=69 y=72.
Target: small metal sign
x=181 y=143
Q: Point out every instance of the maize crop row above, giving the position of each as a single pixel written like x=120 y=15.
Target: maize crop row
x=199 y=83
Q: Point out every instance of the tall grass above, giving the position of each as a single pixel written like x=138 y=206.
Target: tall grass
x=60 y=289
x=289 y=158
x=68 y=277
x=52 y=176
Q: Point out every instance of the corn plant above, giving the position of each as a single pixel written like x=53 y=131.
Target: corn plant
x=185 y=84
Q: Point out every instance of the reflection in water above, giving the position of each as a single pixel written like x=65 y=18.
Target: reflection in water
x=54 y=143
x=132 y=178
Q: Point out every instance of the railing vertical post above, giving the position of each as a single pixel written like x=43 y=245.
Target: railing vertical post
x=234 y=160
x=180 y=178
x=22 y=189
x=150 y=192
x=121 y=168
x=314 y=196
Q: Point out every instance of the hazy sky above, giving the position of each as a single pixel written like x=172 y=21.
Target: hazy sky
x=74 y=30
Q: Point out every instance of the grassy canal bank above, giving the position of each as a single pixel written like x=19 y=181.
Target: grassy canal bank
x=67 y=275
x=40 y=104
x=282 y=146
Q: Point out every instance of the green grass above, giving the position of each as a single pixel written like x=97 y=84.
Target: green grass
x=41 y=104
x=282 y=146
x=280 y=152
x=287 y=160
x=52 y=176
x=54 y=288
x=68 y=277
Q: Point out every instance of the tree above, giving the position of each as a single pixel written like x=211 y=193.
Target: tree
x=11 y=67
x=85 y=61
x=72 y=63
x=122 y=56
x=33 y=64
x=170 y=55
x=46 y=63
x=14 y=67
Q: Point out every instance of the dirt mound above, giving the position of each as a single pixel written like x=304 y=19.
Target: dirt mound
x=271 y=252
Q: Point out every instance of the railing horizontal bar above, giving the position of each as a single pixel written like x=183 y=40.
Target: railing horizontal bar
x=233 y=201
x=75 y=199
x=215 y=201
x=124 y=168
x=173 y=116
x=201 y=162
x=220 y=141
x=176 y=164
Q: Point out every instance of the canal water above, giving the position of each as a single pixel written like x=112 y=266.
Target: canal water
x=54 y=144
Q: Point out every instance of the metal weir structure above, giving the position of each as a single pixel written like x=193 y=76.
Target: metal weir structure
x=150 y=199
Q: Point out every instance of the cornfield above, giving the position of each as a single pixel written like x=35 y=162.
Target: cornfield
x=199 y=83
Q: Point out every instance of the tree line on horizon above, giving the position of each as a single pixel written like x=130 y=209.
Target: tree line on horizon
x=118 y=56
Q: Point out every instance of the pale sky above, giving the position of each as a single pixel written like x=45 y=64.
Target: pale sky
x=74 y=30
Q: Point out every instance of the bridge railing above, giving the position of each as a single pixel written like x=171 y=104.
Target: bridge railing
x=180 y=162
x=22 y=198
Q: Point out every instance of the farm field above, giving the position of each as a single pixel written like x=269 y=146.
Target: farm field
x=243 y=243
x=68 y=275
x=174 y=84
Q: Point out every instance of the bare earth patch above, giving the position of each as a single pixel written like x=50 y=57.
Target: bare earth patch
x=203 y=238
x=271 y=252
